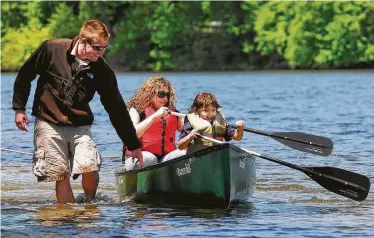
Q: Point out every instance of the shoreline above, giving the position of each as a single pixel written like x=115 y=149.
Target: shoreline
x=233 y=71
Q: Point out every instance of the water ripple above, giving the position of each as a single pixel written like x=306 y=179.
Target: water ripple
x=286 y=203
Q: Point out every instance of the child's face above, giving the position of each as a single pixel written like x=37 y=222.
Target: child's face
x=208 y=113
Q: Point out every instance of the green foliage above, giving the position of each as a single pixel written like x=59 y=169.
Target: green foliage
x=244 y=26
x=307 y=28
x=345 y=39
x=19 y=40
x=18 y=44
x=272 y=25
x=12 y=15
x=132 y=34
x=201 y=35
x=315 y=34
x=131 y=27
x=63 y=22
x=167 y=20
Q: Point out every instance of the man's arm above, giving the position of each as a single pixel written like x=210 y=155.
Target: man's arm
x=34 y=65
x=119 y=116
x=22 y=85
x=116 y=108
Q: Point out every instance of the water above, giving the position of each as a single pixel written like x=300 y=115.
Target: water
x=336 y=104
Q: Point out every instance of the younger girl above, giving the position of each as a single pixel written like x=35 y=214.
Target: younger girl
x=205 y=119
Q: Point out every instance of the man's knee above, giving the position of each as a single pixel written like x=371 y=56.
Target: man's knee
x=174 y=154
x=149 y=158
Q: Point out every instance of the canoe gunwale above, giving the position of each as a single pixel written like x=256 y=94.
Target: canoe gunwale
x=196 y=153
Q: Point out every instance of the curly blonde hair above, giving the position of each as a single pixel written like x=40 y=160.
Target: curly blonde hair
x=144 y=96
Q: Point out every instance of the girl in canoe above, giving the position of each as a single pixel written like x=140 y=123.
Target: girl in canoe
x=149 y=110
x=204 y=118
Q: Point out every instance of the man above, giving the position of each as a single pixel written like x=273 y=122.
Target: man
x=70 y=72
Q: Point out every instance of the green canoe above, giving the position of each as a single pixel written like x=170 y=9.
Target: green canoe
x=215 y=177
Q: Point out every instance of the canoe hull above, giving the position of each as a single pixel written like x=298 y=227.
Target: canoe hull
x=219 y=176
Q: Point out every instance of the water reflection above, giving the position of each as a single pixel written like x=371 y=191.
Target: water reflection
x=286 y=202
x=170 y=211
x=168 y=217
x=56 y=215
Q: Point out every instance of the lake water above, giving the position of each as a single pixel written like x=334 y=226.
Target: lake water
x=335 y=104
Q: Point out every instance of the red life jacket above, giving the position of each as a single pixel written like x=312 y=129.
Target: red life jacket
x=159 y=138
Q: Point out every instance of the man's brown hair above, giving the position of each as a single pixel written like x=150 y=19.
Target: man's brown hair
x=94 y=30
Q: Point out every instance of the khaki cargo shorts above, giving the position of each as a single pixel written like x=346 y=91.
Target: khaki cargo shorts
x=63 y=150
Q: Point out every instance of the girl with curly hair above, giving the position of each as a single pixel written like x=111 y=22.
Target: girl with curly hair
x=149 y=110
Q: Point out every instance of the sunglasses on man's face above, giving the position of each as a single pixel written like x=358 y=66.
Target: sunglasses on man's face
x=97 y=47
x=162 y=94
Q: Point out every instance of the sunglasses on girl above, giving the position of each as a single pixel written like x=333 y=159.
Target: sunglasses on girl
x=162 y=94
x=96 y=47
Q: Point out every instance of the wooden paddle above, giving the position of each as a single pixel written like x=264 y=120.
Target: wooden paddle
x=317 y=145
x=345 y=183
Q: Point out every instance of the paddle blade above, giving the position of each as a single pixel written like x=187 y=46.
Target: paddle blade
x=342 y=182
x=312 y=144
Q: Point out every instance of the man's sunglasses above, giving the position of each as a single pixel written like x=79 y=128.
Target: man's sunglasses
x=162 y=94
x=96 y=47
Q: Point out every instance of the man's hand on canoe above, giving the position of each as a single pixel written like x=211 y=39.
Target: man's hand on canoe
x=137 y=154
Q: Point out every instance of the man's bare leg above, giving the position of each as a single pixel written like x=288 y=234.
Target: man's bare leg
x=90 y=182
x=64 y=194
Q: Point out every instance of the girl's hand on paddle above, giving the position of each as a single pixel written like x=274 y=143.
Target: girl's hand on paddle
x=239 y=125
x=193 y=135
x=21 y=120
x=162 y=111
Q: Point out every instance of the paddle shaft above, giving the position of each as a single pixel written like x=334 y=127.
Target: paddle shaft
x=255 y=131
x=177 y=114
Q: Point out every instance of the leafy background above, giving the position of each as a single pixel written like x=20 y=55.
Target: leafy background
x=201 y=35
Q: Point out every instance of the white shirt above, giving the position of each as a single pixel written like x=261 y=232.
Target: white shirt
x=81 y=62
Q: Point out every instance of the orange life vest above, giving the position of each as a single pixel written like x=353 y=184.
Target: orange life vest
x=159 y=138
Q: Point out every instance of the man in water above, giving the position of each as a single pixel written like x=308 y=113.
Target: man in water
x=70 y=72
